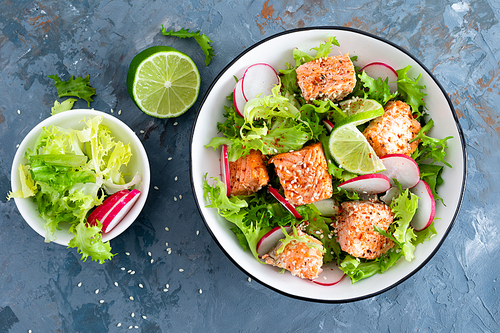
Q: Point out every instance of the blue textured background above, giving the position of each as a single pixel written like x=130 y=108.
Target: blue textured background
x=456 y=291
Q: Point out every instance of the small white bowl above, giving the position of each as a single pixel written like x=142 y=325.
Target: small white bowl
x=277 y=51
x=72 y=119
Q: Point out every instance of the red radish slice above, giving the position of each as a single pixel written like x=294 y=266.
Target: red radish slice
x=238 y=98
x=119 y=211
x=328 y=124
x=331 y=275
x=327 y=207
x=367 y=184
x=382 y=70
x=259 y=79
x=269 y=240
x=401 y=167
x=390 y=195
x=426 y=206
x=285 y=203
x=100 y=211
x=224 y=169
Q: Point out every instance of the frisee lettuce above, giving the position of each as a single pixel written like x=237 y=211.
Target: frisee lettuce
x=201 y=39
x=77 y=87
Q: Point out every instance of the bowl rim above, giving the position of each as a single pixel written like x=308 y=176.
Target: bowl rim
x=84 y=113
x=455 y=118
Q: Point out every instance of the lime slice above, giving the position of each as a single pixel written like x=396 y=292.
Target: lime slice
x=163 y=82
x=352 y=151
x=360 y=110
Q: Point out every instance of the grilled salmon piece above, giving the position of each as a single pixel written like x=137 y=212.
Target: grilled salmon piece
x=392 y=132
x=355 y=232
x=301 y=260
x=248 y=174
x=304 y=175
x=327 y=78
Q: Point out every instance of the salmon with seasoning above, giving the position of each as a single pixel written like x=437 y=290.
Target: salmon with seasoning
x=297 y=257
x=355 y=231
x=248 y=174
x=392 y=132
x=330 y=78
x=303 y=174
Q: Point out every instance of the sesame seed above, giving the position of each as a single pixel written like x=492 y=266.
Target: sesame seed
x=129 y=271
x=165 y=290
x=175 y=198
x=167 y=229
x=140 y=285
x=175 y=179
x=169 y=250
x=123 y=268
x=119 y=325
x=200 y=291
x=152 y=260
x=17 y=146
x=167 y=285
x=181 y=270
x=136 y=326
x=180 y=196
x=127 y=253
x=132 y=273
x=101 y=301
x=156 y=188
x=79 y=284
x=144 y=317
x=249 y=279
x=119 y=112
x=112 y=111
x=176 y=123
x=130 y=327
x=197 y=232
x=132 y=315
x=166 y=244
x=149 y=254
x=97 y=291
x=18 y=111
x=131 y=298
x=141 y=131
x=170 y=158
x=116 y=284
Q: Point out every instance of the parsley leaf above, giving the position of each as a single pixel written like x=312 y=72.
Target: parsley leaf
x=79 y=87
x=201 y=39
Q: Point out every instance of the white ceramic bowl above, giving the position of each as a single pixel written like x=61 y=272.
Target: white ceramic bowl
x=138 y=163
x=276 y=51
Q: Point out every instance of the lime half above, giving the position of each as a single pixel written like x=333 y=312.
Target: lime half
x=163 y=82
x=360 y=110
x=351 y=150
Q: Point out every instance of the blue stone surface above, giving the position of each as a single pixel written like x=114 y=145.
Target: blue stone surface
x=44 y=287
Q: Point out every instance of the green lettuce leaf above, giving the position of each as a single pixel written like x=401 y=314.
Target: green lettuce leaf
x=410 y=91
x=430 y=148
x=376 y=89
x=201 y=39
x=28 y=186
x=88 y=241
x=79 y=87
x=404 y=207
x=66 y=105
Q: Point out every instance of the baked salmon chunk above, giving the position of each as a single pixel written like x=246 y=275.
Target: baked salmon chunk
x=248 y=174
x=304 y=175
x=330 y=78
x=355 y=232
x=392 y=132
x=298 y=258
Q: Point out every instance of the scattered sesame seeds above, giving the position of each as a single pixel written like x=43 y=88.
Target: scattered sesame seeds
x=131 y=298
x=141 y=131
x=200 y=291
x=156 y=188
x=116 y=284
x=140 y=285
x=119 y=112
x=79 y=284
x=97 y=291
x=167 y=229
x=176 y=123
x=169 y=250
x=181 y=270
x=132 y=315
x=170 y=158
x=101 y=301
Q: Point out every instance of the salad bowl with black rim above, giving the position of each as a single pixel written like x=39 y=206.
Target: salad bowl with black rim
x=277 y=51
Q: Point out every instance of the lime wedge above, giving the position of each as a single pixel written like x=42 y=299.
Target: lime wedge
x=360 y=110
x=351 y=150
x=163 y=82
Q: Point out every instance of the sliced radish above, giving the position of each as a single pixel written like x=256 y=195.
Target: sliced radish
x=426 y=206
x=328 y=124
x=331 y=275
x=269 y=240
x=284 y=202
x=224 y=169
x=100 y=211
x=390 y=195
x=120 y=210
x=259 y=79
x=367 y=184
x=383 y=71
x=113 y=209
x=401 y=167
x=238 y=98
x=327 y=207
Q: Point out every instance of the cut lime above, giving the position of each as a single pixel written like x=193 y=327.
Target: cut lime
x=352 y=151
x=163 y=82
x=360 y=110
